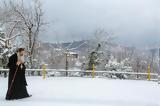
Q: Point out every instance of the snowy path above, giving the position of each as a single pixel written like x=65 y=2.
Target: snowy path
x=85 y=92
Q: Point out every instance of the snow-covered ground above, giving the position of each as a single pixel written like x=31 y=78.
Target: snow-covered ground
x=85 y=92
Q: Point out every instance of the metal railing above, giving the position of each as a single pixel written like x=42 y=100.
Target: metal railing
x=43 y=72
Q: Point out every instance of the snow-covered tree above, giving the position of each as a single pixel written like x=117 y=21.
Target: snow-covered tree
x=32 y=20
x=101 y=54
x=27 y=19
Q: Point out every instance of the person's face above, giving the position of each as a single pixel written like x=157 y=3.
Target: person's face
x=22 y=53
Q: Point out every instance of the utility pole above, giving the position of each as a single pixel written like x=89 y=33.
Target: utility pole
x=67 y=63
x=138 y=66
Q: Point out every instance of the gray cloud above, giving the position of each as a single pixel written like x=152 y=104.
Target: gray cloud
x=132 y=21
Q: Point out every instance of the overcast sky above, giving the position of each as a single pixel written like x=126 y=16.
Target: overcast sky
x=133 y=22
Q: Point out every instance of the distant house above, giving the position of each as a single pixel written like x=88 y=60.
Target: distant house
x=73 y=54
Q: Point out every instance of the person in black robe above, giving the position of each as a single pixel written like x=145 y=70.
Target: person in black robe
x=17 y=87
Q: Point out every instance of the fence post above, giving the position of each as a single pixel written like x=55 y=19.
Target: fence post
x=5 y=74
x=44 y=71
x=93 y=71
x=149 y=73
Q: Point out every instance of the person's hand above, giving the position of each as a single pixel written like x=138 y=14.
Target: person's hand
x=18 y=63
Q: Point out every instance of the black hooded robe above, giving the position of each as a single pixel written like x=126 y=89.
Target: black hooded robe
x=18 y=89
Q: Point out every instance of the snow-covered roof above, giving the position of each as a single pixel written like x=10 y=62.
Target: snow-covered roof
x=72 y=53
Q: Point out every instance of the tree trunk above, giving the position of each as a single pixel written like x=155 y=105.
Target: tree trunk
x=30 y=47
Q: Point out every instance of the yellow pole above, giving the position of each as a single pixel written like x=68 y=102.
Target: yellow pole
x=149 y=73
x=93 y=71
x=44 y=71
